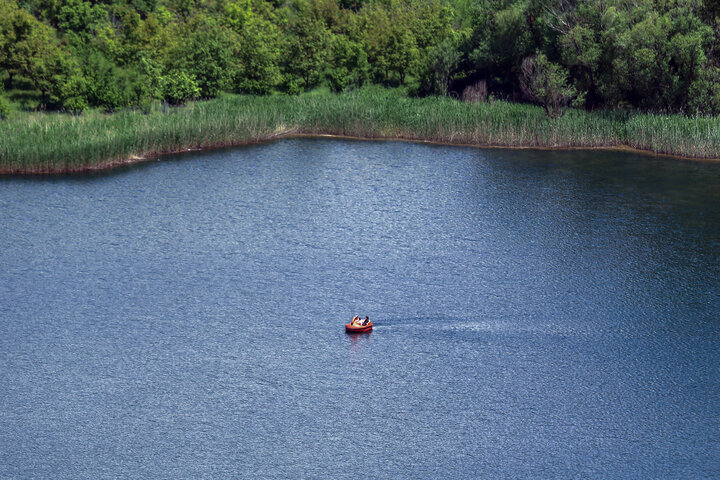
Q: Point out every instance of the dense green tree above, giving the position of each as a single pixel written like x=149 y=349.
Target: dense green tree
x=16 y=27
x=258 y=54
x=391 y=43
x=348 y=66
x=440 y=65
x=74 y=92
x=80 y=18
x=547 y=84
x=659 y=55
x=581 y=52
x=648 y=54
x=178 y=87
x=208 y=56
x=305 y=46
x=510 y=42
x=432 y=23
x=31 y=49
x=113 y=88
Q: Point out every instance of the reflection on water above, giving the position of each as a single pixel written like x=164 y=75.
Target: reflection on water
x=537 y=314
x=359 y=342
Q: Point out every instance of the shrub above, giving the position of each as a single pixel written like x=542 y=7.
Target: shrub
x=547 y=84
x=179 y=87
x=73 y=93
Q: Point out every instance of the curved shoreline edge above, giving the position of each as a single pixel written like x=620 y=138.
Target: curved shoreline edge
x=151 y=156
x=93 y=142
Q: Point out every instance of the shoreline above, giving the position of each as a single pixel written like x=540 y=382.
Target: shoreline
x=110 y=165
x=38 y=144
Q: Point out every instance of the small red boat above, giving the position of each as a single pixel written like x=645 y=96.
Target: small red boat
x=353 y=327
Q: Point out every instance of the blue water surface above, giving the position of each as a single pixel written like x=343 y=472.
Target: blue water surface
x=538 y=314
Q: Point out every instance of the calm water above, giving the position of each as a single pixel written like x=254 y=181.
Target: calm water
x=538 y=314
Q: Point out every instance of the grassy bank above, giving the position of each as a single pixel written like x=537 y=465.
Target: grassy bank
x=55 y=143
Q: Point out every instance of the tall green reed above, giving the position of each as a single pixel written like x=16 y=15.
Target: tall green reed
x=50 y=142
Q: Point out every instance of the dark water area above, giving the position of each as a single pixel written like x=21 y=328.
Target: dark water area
x=538 y=315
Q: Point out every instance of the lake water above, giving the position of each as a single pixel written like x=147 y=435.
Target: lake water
x=538 y=315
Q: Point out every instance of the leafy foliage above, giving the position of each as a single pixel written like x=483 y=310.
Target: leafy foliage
x=348 y=66
x=650 y=55
x=305 y=47
x=178 y=87
x=440 y=63
x=546 y=83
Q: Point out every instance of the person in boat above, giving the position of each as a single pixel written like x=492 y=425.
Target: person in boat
x=355 y=320
x=366 y=321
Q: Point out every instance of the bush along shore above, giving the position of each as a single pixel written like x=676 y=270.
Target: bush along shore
x=35 y=143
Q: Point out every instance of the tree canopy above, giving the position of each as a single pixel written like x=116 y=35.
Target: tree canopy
x=652 y=55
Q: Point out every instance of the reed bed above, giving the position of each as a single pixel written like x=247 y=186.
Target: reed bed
x=41 y=143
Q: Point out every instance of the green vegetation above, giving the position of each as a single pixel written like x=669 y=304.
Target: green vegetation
x=46 y=143
x=655 y=63
x=653 y=55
